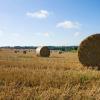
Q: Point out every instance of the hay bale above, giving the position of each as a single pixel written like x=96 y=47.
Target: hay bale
x=89 y=51
x=24 y=52
x=16 y=51
x=43 y=51
x=60 y=52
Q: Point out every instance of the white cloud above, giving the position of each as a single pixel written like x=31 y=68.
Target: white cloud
x=68 y=25
x=46 y=34
x=77 y=34
x=39 y=14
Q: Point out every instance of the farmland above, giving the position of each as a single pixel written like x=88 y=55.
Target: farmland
x=59 y=77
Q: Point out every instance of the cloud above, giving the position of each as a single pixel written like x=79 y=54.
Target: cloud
x=46 y=34
x=68 y=25
x=77 y=34
x=39 y=14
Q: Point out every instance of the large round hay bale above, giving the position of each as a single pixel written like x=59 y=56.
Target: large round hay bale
x=43 y=51
x=89 y=51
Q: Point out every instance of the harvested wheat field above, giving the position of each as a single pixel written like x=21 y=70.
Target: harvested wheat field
x=59 y=77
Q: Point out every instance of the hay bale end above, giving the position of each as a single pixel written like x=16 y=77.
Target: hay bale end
x=43 y=51
x=89 y=51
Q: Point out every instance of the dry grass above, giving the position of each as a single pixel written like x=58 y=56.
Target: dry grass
x=60 y=77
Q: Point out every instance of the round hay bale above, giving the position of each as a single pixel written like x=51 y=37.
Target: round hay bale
x=60 y=52
x=89 y=51
x=43 y=51
x=16 y=51
x=24 y=52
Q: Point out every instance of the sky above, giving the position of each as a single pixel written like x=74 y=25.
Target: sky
x=48 y=22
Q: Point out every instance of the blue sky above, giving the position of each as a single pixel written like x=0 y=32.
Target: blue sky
x=47 y=22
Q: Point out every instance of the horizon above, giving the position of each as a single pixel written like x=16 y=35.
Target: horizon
x=48 y=22
x=39 y=46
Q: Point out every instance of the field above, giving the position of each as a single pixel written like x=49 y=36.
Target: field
x=59 y=77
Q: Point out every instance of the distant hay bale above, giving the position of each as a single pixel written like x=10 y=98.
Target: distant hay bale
x=16 y=51
x=60 y=52
x=89 y=51
x=29 y=51
x=24 y=52
x=43 y=51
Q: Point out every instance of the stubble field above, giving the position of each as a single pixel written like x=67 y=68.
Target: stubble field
x=59 y=77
